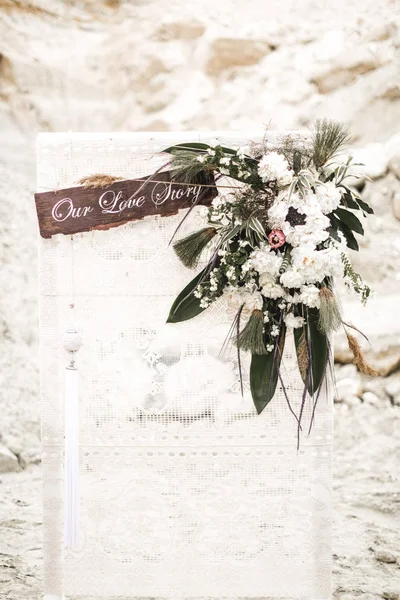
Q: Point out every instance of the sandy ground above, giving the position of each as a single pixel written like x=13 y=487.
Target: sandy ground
x=366 y=540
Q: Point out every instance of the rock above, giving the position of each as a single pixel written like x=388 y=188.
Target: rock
x=371 y=398
x=396 y=205
x=351 y=400
x=373 y=158
x=348 y=66
x=386 y=365
x=389 y=594
x=348 y=385
x=385 y=556
x=343 y=356
x=156 y=125
x=179 y=30
x=381 y=32
x=393 y=155
x=226 y=53
x=392 y=389
x=8 y=461
x=390 y=92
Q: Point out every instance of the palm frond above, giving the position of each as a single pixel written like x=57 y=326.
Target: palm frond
x=328 y=138
x=185 y=166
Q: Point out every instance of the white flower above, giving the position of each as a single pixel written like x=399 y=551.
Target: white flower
x=292 y=321
x=292 y=298
x=225 y=161
x=309 y=295
x=218 y=202
x=296 y=201
x=253 y=300
x=272 y=290
x=291 y=279
x=316 y=220
x=274 y=167
x=237 y=297
x=266 y=317
x=277 y=214
x=314 y=265
x=224 y=171
x=270 y=347
x=275 y=331
x=241 y=151
x=201 y=158
x=328 y=196
x=265 y=260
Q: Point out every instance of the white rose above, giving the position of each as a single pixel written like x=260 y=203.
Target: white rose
x=292 y=321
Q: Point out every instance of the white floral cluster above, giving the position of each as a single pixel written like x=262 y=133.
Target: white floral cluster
x=274 y=167
x=226 y=162
x=314 y=255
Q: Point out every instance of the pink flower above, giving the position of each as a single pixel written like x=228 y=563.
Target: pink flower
x=276 y=238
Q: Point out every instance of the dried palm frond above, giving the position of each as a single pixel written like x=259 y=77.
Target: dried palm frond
x=190 y=248
x=252 y=336
x=185 y=166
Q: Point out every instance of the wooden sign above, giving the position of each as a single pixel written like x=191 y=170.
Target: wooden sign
x=78 y=209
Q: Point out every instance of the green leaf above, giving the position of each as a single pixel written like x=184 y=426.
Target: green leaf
x=190 y=146
x=318 y=342
x=359 y=203
x=364 y=206
x=187 y=146
x=264 y=374
x=348 y=234
x=350 y=239
x=348 y=200
x=350 y=220
x=186 y=305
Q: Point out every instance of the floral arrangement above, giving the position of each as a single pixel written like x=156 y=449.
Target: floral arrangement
x=277 y=239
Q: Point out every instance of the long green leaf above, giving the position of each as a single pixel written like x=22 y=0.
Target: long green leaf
x=264 y=373
x=186 y=305
x=348 y=234
x=348 y=200
x=187 y=146
x=364 y=206
x=352 y=198
x=318 y=342
x=350 y=220
x=203 y=148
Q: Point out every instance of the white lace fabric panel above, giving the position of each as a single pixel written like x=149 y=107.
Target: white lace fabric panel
x=185 y=490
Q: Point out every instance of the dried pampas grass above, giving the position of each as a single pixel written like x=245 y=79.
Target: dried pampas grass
x=98 y=180
x=359 y=358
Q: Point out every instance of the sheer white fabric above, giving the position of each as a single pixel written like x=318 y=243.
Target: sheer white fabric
x=185 y=491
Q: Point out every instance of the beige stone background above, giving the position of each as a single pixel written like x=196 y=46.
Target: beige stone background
x=212 y=64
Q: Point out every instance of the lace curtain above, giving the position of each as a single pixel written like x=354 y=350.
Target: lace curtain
x=185 y=491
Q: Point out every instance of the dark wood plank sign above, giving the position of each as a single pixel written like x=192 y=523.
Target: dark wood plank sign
x=79 y=209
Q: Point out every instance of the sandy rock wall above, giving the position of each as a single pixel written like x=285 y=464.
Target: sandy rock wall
x=146 y=65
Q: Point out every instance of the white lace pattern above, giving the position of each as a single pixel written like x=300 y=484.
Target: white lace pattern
x=185 y=491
